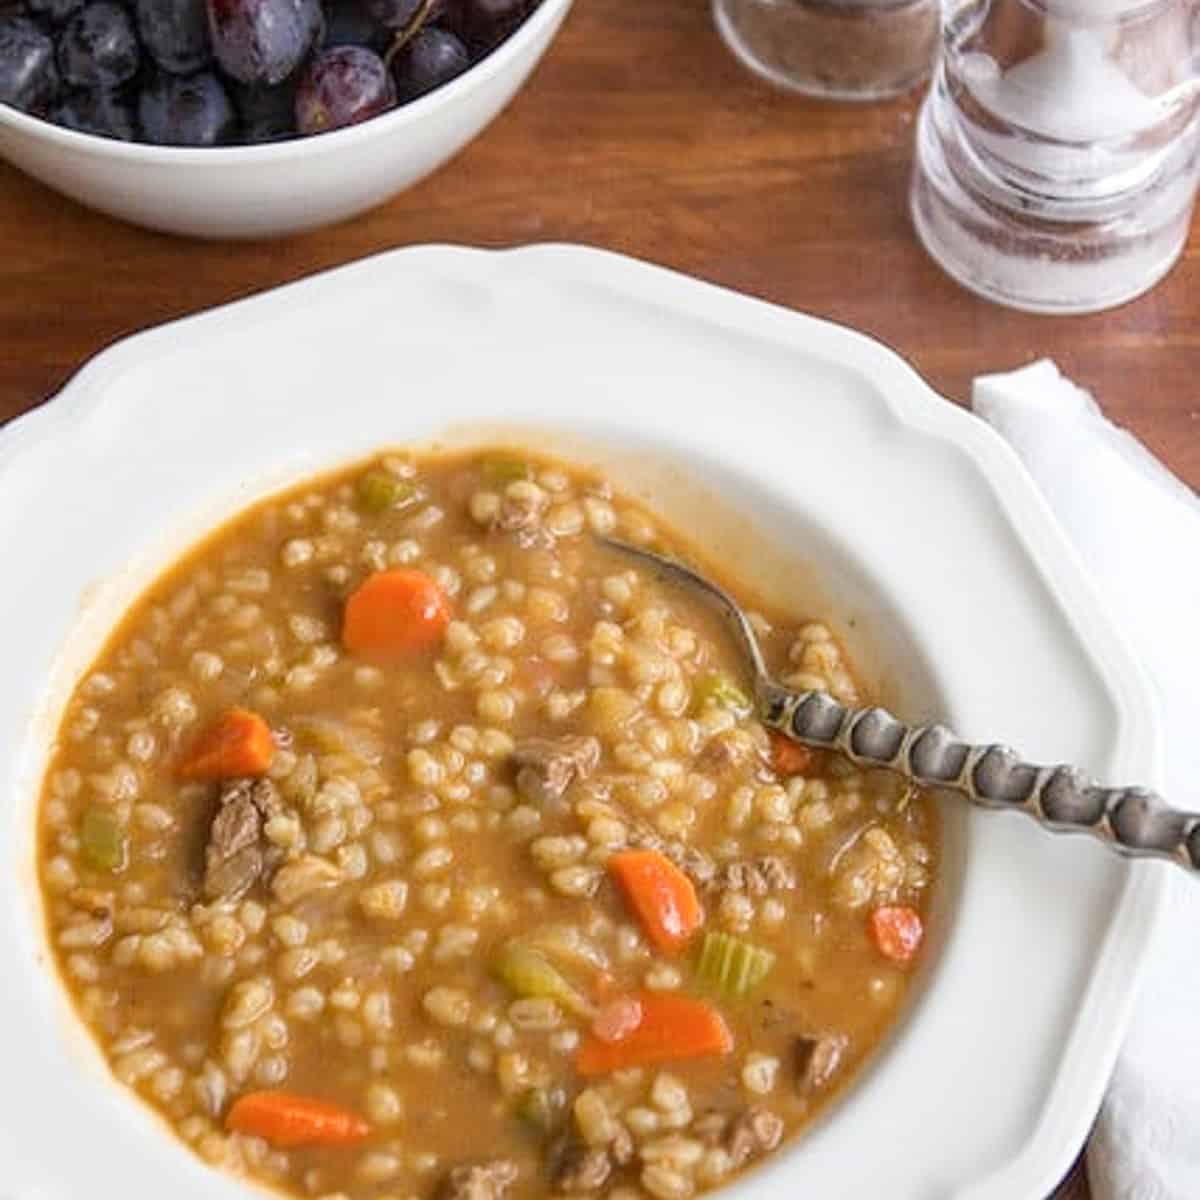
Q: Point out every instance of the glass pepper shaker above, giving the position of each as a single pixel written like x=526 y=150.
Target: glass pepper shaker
x=833 y=49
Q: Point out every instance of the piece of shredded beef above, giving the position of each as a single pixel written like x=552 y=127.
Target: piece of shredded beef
x=546 y=767
x=235 y=857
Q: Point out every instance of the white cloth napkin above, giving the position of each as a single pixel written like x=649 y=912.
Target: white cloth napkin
x=1137 y=529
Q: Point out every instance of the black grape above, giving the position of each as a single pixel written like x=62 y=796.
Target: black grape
x=215 y=72
x=262 y=41
x=53 y=10
x=342 y=86
x=394 y=14
x=108 y=114
x=485 y=23
x=28 y=75
x=192 y=110
x=432 y=58
x=348 y=23
x=175 y=34
x=98 y=48
x=268 y=113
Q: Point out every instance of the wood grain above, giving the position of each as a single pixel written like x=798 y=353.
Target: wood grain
x=641 y=134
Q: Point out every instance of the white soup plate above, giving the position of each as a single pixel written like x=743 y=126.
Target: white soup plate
x=811 y=459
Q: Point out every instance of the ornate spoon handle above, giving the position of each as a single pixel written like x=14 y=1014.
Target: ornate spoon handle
x=1132 y=820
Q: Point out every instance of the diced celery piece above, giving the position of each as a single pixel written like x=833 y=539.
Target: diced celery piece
x=720 y=689
x=498 y=471
x=529 y=973
x=379 y=491
x=732 y=967
x=102 y=839
x=541 y=1109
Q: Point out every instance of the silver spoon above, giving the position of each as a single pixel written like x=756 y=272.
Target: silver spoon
x=1133 y=821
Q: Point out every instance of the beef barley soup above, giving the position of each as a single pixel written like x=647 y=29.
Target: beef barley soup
x=404 y=841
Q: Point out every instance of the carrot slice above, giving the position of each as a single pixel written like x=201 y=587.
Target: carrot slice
x=672 y=1028
x=661 y=895
x=896 y=931
x=284 y=1119
x=788 y=757
x=393 y=614
x=239 y=743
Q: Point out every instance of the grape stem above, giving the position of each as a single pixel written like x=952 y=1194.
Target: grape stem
x=410 y=31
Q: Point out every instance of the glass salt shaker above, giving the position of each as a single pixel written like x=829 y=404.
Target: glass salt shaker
x=834 y=49
x=1058 y=149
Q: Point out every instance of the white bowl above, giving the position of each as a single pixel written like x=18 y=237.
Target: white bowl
x=843 y=484
x=281 y=187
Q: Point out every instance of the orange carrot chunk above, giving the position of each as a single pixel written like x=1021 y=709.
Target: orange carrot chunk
x=788 y=757
x=239 y=743
x=896 y=931
x=393 y=614
x=672 y=1028
x=284 y=1119
x=660 y=894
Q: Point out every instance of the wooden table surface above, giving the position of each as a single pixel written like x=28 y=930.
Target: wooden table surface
x=638 y=133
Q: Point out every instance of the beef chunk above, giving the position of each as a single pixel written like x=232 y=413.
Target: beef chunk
x=756 y=877
x=546 y=767
x=579 y=1169
x=751 y=1134
x=235 y=856
x=698 y=865
x=816 y=1059
x=583 y=1169
x=479 y=1181
x=693 y=862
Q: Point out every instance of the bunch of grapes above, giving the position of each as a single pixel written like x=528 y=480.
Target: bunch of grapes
x=216 y=72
